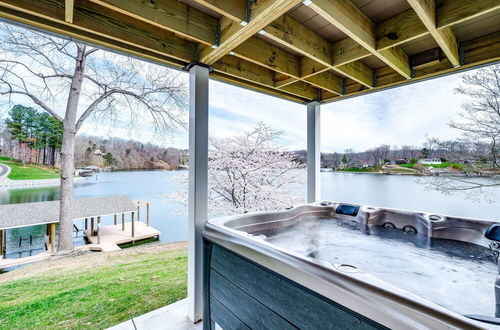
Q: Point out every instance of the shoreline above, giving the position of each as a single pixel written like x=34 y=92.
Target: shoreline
x=10 y=184
x=492 y=176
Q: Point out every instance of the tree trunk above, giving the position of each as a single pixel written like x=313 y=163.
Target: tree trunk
x=53 y=156
x=68 y=156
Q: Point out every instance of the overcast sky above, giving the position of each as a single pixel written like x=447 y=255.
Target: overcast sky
x=399 y=116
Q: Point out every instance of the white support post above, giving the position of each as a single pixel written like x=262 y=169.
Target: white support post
x=313 y=152
x=198 y=186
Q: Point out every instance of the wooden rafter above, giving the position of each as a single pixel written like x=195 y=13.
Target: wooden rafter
x=193 y=24
x=407 y=25
x=171 y=32
x=478 y=51
x=68 y=7
x=233 y=9
x=350 y=20
x=445 y=38
x=234 y=33
x=458 y=11
x=101 y=26
x=316 y=50
x=250 y=72
x=172 y=15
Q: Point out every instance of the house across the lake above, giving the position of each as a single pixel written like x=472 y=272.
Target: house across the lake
x=430 y=161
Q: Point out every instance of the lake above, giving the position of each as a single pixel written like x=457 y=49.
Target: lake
x=169 y=217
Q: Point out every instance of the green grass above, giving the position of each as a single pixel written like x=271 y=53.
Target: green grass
x=443 y=165
x=94 y=295
x=5 y=158
x=30 y=172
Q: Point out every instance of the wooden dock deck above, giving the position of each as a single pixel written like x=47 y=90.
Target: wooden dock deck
x=110 y=237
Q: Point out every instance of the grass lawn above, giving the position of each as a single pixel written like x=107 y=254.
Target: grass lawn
x=30 y=172
x=93 y=291
x=443 y=165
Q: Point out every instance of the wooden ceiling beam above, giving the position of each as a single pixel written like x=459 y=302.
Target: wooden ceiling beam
x=188 y=22
x=349 y=19
x=43 y=15
x=328 y=81
x=459 y=11
x=68 y=8
x=251 y=72
x=478 y=51
x=220 y=76
x=233 y=9
x=408 y=26
x=399 y=29
x=260 y=52
x=445 y=38
x=171 y=15
x=124 y=36
x=234 y=33
x=110 y=24
x=316 y=50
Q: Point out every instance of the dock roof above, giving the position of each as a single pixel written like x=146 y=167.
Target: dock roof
x=38 y=213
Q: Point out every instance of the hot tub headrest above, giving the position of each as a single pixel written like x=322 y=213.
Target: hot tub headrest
x=347 y=209
x=493 y=232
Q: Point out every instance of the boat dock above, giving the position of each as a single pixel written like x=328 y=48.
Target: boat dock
x=110 y=237
x=91 y=210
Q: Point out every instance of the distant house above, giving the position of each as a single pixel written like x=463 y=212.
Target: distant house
x=401 y=161
x=430 y=161
x=98 y=152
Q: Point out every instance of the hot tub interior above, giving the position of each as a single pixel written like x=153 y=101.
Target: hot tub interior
x=413 y=251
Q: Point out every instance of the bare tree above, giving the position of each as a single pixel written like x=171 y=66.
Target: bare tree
x=478 y=148
x=58 y=74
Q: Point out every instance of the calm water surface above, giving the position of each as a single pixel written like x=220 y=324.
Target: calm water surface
x=170 y=217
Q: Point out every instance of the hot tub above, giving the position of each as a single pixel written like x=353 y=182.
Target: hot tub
x=339 y=266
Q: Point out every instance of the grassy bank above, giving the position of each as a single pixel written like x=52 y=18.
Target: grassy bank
x=30 y=172
x=93 y=291
x=442 y=165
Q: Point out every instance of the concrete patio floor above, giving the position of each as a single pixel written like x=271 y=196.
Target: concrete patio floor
x=173 y=316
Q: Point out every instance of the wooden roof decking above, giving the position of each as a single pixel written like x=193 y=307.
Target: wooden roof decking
x=301 y=50
x=39 y=213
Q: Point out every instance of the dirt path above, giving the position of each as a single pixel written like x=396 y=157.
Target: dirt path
x=80 y=261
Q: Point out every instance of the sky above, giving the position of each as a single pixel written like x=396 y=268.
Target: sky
x=400 y=116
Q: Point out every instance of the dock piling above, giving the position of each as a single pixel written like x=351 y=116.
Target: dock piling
x=92 y=226
x=1 y=243
x=133 y=228
x=86 y=223
x=139 y=211
x=147 y=214
x=115 y=219
x=52 y=237
x=123 y=221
